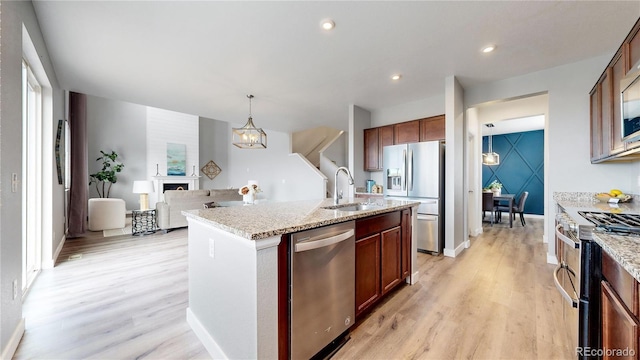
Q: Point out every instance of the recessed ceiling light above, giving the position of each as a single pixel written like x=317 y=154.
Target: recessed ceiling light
x=328 y=24
x=396 y=77
x=488 y=49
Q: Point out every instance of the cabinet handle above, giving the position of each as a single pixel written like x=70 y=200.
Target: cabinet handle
x=316 y=243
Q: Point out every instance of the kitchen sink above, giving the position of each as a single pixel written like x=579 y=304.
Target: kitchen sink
x=353 y=207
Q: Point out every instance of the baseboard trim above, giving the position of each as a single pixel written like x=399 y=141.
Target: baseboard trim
x=205 y=338
x=413 y=279
x=14 y=341
x=455 y=252
x=467 y=244
x=50 y=263
x=476 y=232
x=552 y=259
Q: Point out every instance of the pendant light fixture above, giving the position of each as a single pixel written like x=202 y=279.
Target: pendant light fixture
x=490 y=158
x=249 y=136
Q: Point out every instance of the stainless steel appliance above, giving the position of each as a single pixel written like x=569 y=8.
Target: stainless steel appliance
x=416 y=172
x=322 y=287
x=576 y=278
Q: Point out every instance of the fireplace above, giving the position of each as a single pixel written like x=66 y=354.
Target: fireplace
x=163 y=183
x=175 y=186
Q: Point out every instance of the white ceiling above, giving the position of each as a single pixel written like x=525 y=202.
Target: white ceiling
x=203 y=57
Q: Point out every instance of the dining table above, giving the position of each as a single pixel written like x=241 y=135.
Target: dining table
x=509 y=198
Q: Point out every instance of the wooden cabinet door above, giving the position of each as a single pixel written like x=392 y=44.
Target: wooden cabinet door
x=391 y=245
x=617 y=73
x=367 y=272
x=406 y=243
x=619 y=327
x=596 y=124
x=407 y=132
x=606 y=108
x=432 y=128
x=633 y=47
x=386 y=138
x=371 y=150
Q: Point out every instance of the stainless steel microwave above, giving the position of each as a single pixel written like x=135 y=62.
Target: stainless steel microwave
x=630 y=105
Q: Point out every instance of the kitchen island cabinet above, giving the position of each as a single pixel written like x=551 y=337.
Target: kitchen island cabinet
x=236 y=281
x=619 y=292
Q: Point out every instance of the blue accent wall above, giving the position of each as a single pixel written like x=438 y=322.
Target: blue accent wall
x=521 y=166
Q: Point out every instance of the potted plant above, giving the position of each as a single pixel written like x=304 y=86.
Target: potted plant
x=108 y=175
x=495 y=187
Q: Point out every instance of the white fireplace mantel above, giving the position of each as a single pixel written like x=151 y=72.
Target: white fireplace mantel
x=159 y=181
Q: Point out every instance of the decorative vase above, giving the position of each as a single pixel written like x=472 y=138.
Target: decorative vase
x=249 y=198
x=497 y=192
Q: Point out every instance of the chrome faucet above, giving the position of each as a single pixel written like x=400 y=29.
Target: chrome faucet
x=335 y=183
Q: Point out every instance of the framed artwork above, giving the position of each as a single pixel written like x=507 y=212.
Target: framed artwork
x=211 y=169
x=60 y=151
x=176 y=159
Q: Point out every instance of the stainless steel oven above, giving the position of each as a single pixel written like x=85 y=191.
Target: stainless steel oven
x=567 y=275
x=577 y=277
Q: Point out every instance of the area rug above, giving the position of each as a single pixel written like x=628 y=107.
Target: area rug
x=117 y=232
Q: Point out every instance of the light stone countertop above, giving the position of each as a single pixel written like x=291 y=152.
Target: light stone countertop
x=625 y=249
x=266 y=219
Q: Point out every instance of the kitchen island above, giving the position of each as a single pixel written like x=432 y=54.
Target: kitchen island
x=234 y=269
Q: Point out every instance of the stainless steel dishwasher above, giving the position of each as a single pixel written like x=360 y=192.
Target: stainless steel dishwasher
x=322 y=291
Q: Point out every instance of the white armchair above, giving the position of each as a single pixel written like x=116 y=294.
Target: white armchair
x=107 y=213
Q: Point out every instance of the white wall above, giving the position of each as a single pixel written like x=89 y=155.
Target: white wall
x=165 y=126
x=419 y=109
x=359 y=119
x=118 y=126
x=13 y=15
x=568 y=167
x=214 y=142
x=282 y=176
x=455 y=206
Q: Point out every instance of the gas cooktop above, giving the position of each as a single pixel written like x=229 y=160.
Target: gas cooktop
x=619 y=223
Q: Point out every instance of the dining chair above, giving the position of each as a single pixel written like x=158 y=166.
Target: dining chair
x=518 y=208
x=488 y=205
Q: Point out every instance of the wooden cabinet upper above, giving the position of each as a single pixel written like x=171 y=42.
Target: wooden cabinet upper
x=375 y=139
x=407 y=132
x=616 y=74
x=633 y=51
x=432 y=128
x=596 y=124
x=606 y=117
x=371 y=153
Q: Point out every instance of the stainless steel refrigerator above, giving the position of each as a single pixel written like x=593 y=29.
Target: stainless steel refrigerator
x=416 y=172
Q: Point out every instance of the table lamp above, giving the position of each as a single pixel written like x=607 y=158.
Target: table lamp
x=143 y=187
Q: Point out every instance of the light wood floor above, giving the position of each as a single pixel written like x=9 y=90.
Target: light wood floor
x=125 y=297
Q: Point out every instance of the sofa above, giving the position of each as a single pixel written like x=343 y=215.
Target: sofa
x=169 y=211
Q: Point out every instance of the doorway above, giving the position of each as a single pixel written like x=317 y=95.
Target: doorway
x=517 y=116
x=31 y=175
